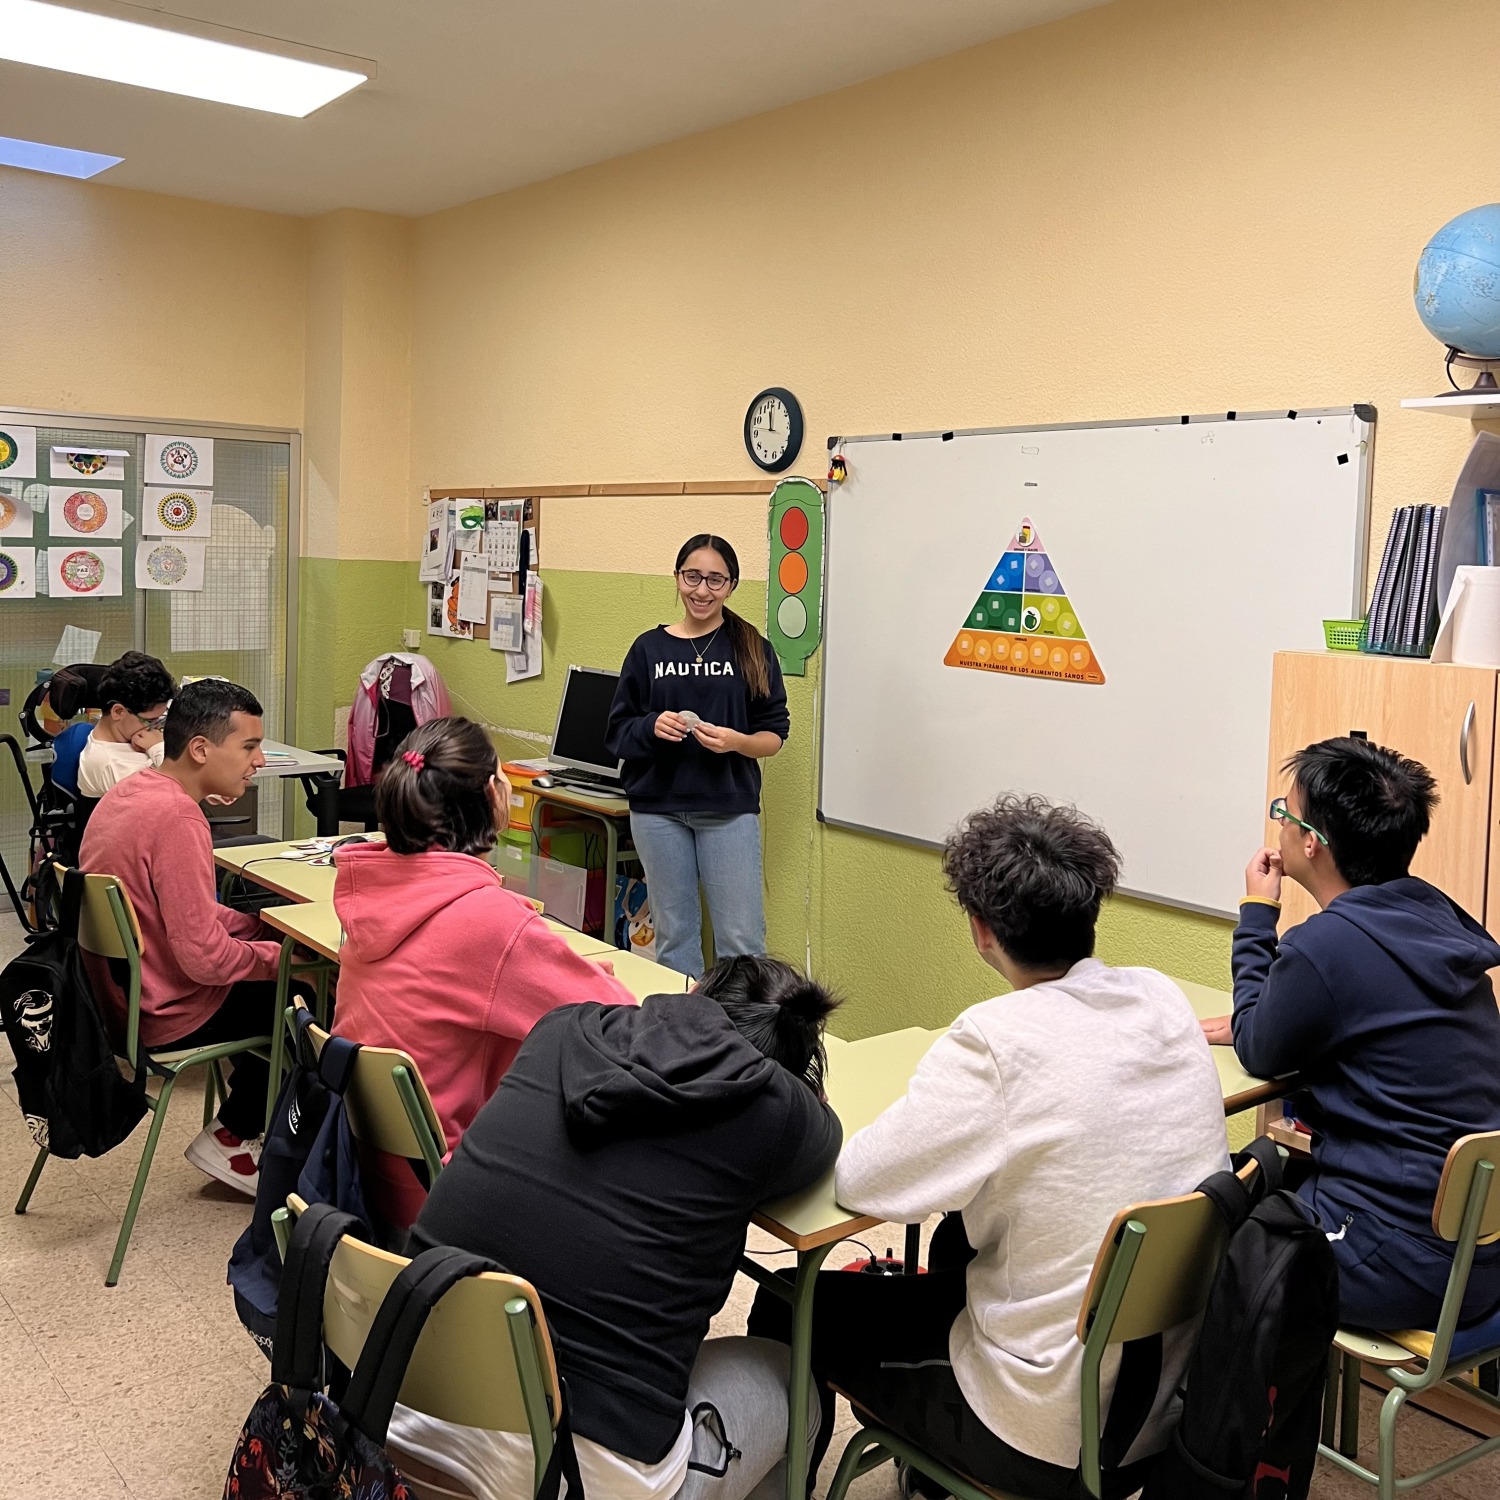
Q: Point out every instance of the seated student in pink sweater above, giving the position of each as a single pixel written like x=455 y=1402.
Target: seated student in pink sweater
x=439 y=959
x=207 y=973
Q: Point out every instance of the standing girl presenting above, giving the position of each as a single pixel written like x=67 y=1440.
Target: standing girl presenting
x=700 y=702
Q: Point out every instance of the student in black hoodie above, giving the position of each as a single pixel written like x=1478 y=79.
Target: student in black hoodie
x=616 y=1169
x=1382 y=1004
x=700 y=704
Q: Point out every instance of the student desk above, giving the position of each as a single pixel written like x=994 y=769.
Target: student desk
x=314 y=925
x=609 y=812
x=864 y=1078
x=327 y=771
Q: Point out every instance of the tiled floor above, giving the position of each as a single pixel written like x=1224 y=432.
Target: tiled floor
x=139 y=1390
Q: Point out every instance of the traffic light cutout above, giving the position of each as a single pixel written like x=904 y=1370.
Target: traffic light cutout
x=794 y=598
x=1023 y=622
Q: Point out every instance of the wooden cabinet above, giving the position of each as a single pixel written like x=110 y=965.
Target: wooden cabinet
x=1439 y=714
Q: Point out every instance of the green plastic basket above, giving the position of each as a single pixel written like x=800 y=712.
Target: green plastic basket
x=1343 y=635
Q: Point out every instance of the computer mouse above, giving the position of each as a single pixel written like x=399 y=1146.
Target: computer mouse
x=356 y=838
x=542 y=783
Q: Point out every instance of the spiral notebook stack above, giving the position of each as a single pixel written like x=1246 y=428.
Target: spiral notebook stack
x=1403 y=616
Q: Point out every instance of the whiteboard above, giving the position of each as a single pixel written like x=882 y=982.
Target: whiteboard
x=1186 y=550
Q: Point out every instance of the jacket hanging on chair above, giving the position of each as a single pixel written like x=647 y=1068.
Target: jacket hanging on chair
x=396 y=693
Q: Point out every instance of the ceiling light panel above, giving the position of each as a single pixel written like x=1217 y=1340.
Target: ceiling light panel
x=61 y=161
x=172 y=62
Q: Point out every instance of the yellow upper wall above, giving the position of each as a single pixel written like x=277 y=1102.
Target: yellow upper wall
x=1154 y=207
x=121 y=303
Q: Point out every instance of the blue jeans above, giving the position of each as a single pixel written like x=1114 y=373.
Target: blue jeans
x=722 y=851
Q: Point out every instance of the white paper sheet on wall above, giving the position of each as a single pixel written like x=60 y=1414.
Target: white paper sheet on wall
x=17 y=571
x=232 y=611
x=506 y=622
x=15 y=513
x=106 y=465
x=84 y=572
x=179 y=460
x=474 y=589
x=170 y=563
x=17 y=452
x=83 y=513
x=76 y=645
x=167 y=510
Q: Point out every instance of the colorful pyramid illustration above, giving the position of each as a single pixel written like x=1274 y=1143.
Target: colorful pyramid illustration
x=1024 y=623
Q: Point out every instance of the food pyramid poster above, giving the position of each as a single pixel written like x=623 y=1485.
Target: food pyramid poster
x=1024 y=623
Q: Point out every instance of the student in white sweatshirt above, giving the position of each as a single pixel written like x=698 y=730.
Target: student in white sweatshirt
x=1036 y=1118
x=137 y=691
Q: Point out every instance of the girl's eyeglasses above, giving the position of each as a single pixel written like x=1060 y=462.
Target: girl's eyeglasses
x=1279 y=814
x=718 y=582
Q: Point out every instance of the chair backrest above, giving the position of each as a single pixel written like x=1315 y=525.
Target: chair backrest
x=100 y=929
x=466 y=1367
x=379 y=1116
x=1174 y=1271
x=1457 y=1181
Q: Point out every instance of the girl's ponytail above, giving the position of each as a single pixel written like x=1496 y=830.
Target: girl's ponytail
x=777 y=1010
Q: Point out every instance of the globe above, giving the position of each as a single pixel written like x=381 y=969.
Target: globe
x=1457 y=286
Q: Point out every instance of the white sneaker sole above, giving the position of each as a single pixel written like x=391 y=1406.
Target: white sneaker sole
x=211 y=1164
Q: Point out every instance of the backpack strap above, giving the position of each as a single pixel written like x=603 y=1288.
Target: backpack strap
x=1134 y=1396
x=1264 y=1151
x=335 y=1064
x=297 y=1354
x=392 y=1340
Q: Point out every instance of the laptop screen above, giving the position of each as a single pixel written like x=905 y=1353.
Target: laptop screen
x=583 y=718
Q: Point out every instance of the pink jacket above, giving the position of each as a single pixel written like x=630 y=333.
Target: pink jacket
x=443 y=962
x=429 y=700
x=147 y=831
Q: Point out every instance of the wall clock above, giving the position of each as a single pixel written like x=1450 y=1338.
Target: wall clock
x=773 y=429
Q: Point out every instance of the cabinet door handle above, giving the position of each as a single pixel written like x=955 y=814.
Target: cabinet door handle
x=1463 y=746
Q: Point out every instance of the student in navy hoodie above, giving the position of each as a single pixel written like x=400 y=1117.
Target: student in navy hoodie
x=1382 y=1004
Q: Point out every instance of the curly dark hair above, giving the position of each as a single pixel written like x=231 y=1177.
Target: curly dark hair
x=1373 y=805
x=137 y=682
x=1035 y=876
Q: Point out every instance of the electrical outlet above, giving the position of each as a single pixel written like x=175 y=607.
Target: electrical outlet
x=411 y=639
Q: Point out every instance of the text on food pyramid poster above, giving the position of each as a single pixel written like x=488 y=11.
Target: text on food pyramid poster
x=1024 y=623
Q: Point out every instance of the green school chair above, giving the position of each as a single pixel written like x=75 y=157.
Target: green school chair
x=390 y=1109
x=108 y=928
x=1466 y=1213
x=484 y=1358
x=1154 y=1270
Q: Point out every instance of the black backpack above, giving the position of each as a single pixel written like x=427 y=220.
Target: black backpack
x=1253 y=1400
x=308 y=1150
x=76 y=1099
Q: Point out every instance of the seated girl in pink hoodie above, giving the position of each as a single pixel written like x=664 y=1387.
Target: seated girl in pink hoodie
x=439 y=959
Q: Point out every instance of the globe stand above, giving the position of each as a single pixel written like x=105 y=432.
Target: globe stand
x=1485 y=383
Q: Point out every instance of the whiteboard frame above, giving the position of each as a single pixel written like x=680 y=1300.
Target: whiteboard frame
x=1363 y=411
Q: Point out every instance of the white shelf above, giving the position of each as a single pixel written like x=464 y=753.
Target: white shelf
x=1482 y=408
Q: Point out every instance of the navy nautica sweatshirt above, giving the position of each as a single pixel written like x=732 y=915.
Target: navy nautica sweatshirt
x=1381 y=1002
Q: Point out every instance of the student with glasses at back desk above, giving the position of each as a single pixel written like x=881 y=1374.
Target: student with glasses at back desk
x=700 y=704
x=137 y=690
x=1382 y=1004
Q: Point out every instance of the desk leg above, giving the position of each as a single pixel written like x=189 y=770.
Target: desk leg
x=278 y=1024
x=611 y=877
x=534 y=869
x=809 y=1262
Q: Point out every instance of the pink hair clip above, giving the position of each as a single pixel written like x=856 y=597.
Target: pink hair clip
x=414 y=758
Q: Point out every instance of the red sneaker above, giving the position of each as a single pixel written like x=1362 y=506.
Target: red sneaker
x=227 y=1158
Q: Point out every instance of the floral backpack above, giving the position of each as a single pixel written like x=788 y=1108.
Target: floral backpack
x=297 y=1443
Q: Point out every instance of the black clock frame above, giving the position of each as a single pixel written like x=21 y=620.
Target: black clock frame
x=796 y=431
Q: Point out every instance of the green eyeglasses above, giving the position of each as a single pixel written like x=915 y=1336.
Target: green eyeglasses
x=1279 y=814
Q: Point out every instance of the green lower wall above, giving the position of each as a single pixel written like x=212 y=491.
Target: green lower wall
x=880 y=926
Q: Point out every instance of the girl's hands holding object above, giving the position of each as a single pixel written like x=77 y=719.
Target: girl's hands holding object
x=671 y=727
x=720 y=741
